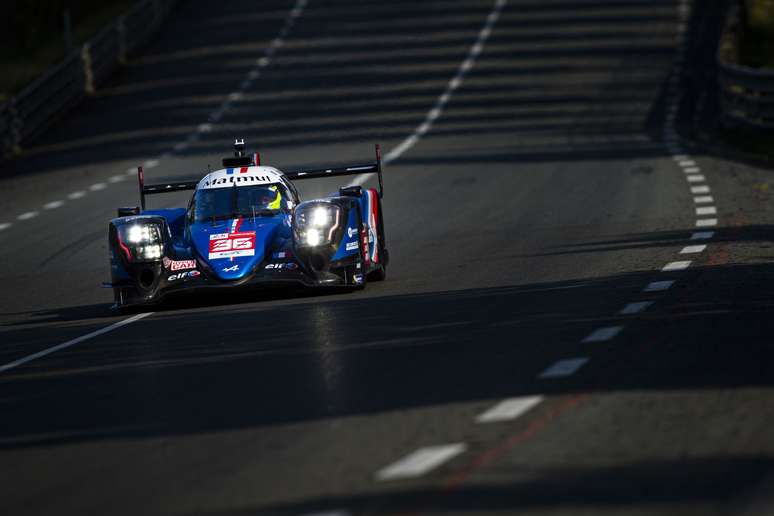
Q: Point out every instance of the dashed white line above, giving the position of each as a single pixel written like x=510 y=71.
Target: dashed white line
x=658 y=286
x=566 y=367
x=703 y=235
x=69 y=343
x=28 y=215
x=679 y=157
x=687 y=163
x=696 y=178
x=703 y=189
x=706 y=223
x=116 y=179
x=635 y=308
x=603 y=334
x=131 y=171
x=97 y=187
x=5 y=225
x=420 y=461
x=706 y=210
x=676 y=266
x=53 y=205
x=692 y=170
x=76 y=195
x=704 y=199
x=453 y=84
x=693 y=249
x=509 y=409
x=151 y=163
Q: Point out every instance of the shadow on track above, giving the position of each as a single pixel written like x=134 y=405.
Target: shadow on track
x=346 y=75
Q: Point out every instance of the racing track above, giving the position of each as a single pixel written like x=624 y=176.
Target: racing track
x=545 y=194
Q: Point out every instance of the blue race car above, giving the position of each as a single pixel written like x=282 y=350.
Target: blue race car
x=245 y=226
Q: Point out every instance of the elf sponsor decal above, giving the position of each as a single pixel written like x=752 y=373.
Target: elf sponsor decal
x=352 y=246
x=230 y=245
x=351 y=232
x=183 y=275
x=287 y=266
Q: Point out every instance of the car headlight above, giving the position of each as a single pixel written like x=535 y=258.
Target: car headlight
x=316 y=223
x=141 y=242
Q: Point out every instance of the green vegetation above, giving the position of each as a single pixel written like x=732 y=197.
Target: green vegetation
x=32 y=35
x=757 y=42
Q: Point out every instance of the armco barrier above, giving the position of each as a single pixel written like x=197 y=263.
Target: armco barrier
x=746 y=94
x=78 y=75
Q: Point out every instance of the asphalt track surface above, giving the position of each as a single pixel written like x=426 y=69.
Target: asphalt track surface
x=543 y=197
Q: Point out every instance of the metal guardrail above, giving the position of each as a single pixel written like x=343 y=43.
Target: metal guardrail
x=746 y=94
x=78 y=75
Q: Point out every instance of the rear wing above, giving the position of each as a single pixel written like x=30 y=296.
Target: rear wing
x=351 y=170
x=161 y=187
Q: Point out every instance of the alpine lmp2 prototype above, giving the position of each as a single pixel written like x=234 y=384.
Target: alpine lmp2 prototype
x=246 y=226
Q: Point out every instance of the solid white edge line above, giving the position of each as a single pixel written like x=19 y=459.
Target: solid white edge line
x=73 y=342
x=420 y=461
x=509 y=409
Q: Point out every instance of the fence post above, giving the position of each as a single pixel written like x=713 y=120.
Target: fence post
x=88 y=72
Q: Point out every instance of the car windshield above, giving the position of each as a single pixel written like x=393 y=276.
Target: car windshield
x=248 y=201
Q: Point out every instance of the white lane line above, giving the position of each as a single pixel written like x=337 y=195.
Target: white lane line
x=53 y=205
x=679 y=157
x=696 y=178
x=703 y=199
x=28 y=215
x=687 y=163
x=704 y=189
x=706 y=210
x=454 y=83
x=693 y=249
x=676 y=266
x=658 y=286
x=76 y=195
x=420 y=461
x=97 y=187
x=508 y=409
x=635 y=308
x=603 y=334
x=706 y=223
x=566 y=367
x=702 y=235
x=692 y=170
x=151 y=163
x=116 y=179
x=5 y=225
x=131 y=171
x=73 y=342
